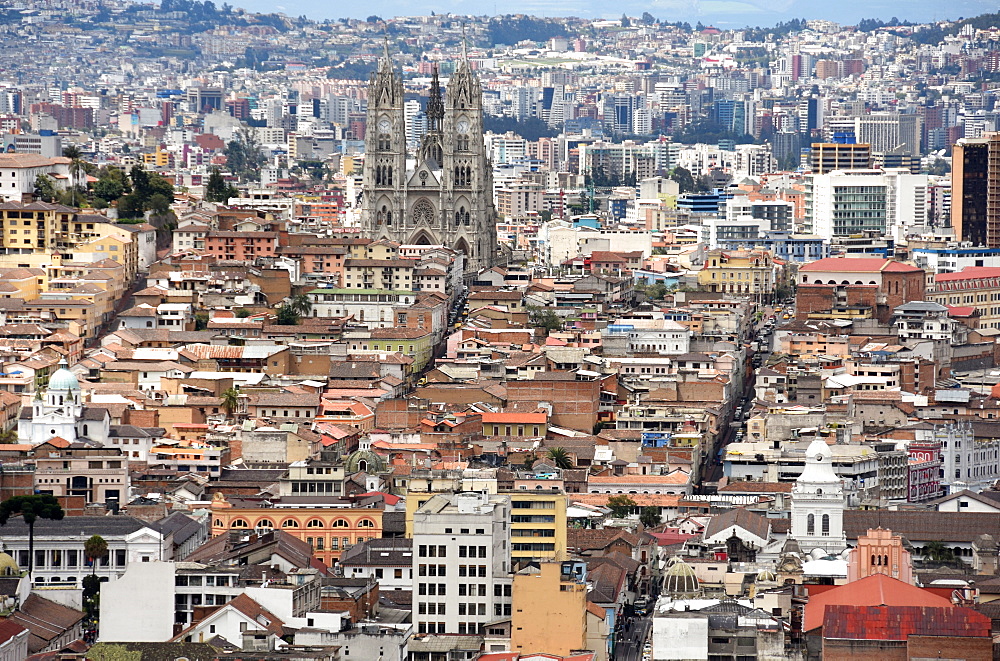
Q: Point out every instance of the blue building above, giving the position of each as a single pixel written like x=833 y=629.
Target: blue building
x=796 y=248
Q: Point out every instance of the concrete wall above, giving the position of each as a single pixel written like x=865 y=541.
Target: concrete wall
x=680 y=637
x=139 y=606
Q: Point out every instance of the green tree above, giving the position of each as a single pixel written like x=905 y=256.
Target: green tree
x=78 y=174
x=544 y=318
x=287 y=316
x=217 y=190
x=94 y=549
x=159 y=204
x=8 y=436
x=111 y=184
x=559 y=457
x=131 y=206
x=45 y=189
x=626 y=23
x=649 y=516
x=231 y=401
x=684 y=179
x=938 y=553
x=621 y=506
x=302 y=304
x=140 y=182
x=243 y=155
x=656 y=292
x=31 y=508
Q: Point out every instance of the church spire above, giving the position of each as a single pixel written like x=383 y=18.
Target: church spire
x=435 y=105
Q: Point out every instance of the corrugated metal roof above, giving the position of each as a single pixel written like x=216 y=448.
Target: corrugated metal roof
x=899 y=622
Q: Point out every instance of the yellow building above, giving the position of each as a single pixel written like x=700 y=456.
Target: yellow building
x=379 y=274
x=22 y=283
x=742 y=272
x=34 y=227
x=537 y=518
x=538 y=526
x=549 y=610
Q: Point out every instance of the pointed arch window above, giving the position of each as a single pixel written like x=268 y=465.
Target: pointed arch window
x=462 y=217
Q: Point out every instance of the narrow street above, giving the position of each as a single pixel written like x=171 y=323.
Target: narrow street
x=632 y=638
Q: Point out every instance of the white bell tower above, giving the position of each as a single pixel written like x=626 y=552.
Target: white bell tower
x=818 y=503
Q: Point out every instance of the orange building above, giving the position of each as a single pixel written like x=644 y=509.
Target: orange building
x=329 y=530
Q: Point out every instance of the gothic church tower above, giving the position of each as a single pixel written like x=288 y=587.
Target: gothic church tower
x=443 y=194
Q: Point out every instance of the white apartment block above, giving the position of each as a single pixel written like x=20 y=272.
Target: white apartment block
x=461 y=562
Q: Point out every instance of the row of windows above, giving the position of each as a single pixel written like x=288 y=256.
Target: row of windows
x=294 y=523
x=60 y=559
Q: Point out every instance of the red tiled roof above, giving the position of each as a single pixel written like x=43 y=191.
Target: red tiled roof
x=899 y=622
x=969 y=273
x=858 y=265
x=9 y=629
x=876 y=590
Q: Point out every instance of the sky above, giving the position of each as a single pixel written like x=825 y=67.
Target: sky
x=720 y=13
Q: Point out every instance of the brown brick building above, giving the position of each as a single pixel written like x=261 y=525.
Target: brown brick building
x=856 y=287
x=574 y=398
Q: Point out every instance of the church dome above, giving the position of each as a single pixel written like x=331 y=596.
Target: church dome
x=366 y=461
x=766 y=576
x=8 y=567
x=680 y=581
x=819 y=464
x=63 y=379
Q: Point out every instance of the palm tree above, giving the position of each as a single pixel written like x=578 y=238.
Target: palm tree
x=938 y=553
x=94 y=549
x=231 y=401
x=302 y=304
x=559 y=457
x=76 y=169
x=33 y=507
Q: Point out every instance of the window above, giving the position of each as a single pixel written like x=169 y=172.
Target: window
x=289 y=523
x=314 y=523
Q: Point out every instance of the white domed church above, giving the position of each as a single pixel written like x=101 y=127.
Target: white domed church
x=60 y=412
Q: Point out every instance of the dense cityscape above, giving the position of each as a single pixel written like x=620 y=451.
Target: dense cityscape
x=689 y=336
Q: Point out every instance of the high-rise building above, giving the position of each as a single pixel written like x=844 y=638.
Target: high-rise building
x=829 y=156
x=975 y=190
x=461 y=562
x=446 y=198
x=847 y=202
x=889 y=132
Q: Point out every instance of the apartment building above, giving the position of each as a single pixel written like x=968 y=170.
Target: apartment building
x=461 y=562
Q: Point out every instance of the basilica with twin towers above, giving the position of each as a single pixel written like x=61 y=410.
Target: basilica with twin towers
x=442 y=194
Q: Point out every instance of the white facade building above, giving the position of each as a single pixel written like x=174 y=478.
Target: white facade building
x=461 y=562
x=59 y=557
